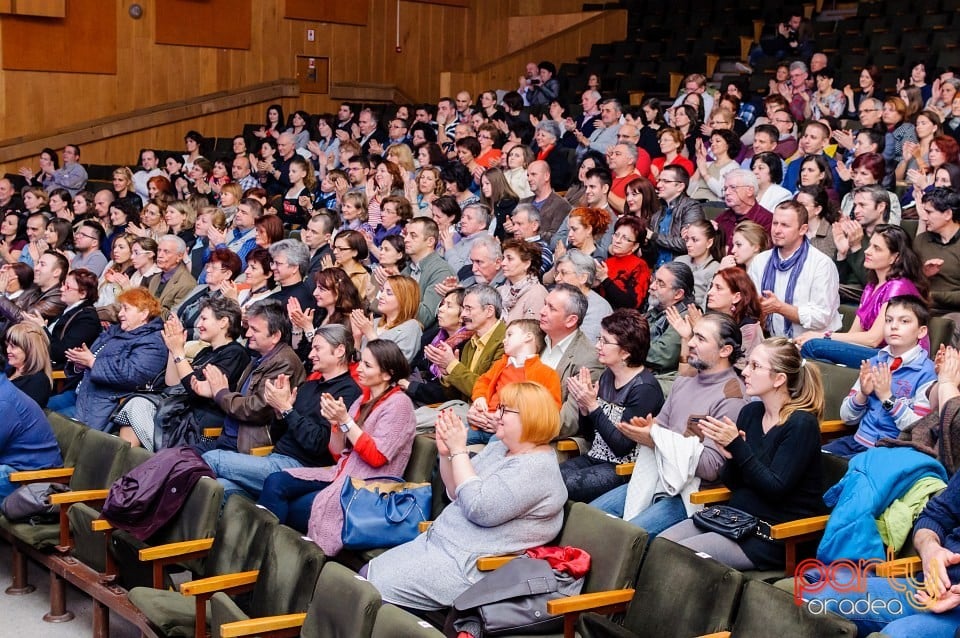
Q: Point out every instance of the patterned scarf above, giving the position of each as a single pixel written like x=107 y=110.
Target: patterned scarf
x=516 y=291
x=793 y=265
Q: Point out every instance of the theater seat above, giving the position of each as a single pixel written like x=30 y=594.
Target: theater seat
x=237 y=546
x=767 y=611
x=344 y=604
x=679 y=593
x=393 y=622
x=284 y=584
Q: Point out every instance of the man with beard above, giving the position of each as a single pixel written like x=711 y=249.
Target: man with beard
x=672 y=287
x=716 y=390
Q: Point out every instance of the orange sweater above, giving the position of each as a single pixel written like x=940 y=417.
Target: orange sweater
x=501 y=373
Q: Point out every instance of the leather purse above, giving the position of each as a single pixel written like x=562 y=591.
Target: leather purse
x=382 y=511
x=727 y=521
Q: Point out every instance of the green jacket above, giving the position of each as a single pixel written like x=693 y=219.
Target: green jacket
x=462 y=378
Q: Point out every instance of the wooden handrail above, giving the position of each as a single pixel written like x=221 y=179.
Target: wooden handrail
x=526 y=51
x=147 y=118
x=369 y=92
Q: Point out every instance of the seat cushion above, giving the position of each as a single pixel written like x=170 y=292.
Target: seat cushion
x=43 y=536
x=172 y=612
x=223 y=610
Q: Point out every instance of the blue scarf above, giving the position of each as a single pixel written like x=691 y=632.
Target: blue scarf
x=793 y=265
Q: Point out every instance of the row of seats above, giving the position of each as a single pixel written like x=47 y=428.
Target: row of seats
x=245 y=550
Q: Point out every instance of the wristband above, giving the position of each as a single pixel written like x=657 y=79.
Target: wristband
x=454 y=454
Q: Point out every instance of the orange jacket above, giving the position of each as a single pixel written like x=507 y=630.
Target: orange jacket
x=501 y=373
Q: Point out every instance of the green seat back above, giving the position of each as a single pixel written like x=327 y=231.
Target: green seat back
x=288 y=574
x=682 y=593
x=101 y=461
x=327 y=618
x=911 y=226
x=393 y=622
x=615 y=546
x=848 y=313
x=940 y=331
x=768 y=611
x=837 y=381
x=423 y=460
x=69 y=433
x=240 y=537
x=197 y=518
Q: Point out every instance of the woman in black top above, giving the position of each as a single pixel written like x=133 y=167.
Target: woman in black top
x=626 y=389
x=218 y=325
x=28 y=361
x=774 y=471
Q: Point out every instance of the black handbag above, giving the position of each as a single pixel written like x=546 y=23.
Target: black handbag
x=31 y=502
x=727 y=521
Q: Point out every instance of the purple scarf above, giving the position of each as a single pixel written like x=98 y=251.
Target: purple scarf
x=793 y=265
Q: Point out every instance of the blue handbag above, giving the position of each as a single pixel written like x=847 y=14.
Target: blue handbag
x=382 y=511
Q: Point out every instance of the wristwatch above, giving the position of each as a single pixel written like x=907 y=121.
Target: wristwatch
x=888 y=404
x=345 y=427
x=285 y=413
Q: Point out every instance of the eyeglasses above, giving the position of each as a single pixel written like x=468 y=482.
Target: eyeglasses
x=338 y=249
x=79 y=234
x=604 y=342
x=274 y=262
x=621 y=237
x=869 y=110
x=731 y=187
x=502 y=409
x=138 y=253
x=668 y=181
x=754 y=366
x=66 y=287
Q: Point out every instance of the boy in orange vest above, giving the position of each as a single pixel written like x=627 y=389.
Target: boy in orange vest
x=521 y=362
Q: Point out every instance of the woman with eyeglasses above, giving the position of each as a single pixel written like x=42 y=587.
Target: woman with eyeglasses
x=893 y=269
x=506 y=499
x=624 y=276
x=773 y=450
x=626 y=389
x=223 y=266
x=397 y=303
x=671 y=147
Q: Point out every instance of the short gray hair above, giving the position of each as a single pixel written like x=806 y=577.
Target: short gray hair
x=631 y=150
x=877 y=103
x=295 y=251
x=582 y=265
x=532 y=213
x=551 y=127
x=486 y=215
x=174 y=239
x=487 y=296
x=746 y=178
x=799 y=66
x=491 y=243
x=576 y=301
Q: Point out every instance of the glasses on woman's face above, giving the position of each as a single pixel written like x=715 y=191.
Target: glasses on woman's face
x=502 y=409
x=623 y=238
x=603 y=342
x=754 y=366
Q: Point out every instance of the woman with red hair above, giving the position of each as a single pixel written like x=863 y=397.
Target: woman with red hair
x=943 y=150
x=585 y=227
x=867 y=169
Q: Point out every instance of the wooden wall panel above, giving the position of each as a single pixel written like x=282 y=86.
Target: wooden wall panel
x=204 y=23
x=85 y=41
x=334 y=11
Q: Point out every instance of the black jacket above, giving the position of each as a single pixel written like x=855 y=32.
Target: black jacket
x=75 y=327
x=307 y=432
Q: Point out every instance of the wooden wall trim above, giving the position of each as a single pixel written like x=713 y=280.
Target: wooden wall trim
x=132 y=121
x=367 y=92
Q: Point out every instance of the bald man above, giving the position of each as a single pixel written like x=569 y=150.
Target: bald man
x=553 y=209
x=9 y=200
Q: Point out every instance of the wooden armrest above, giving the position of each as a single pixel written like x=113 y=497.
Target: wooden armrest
x=586 y=602
x=624 y=469
x=567 y=445
x=799 y=527
x=218 y=583
x=59 y=375
x=173 y=550
x=832 y=426
x=261 y=451
x=423 y=526
x=54 y=475
x=101 y=525
x=80 y=496
x=212 y=433
x=900 y=567
x=715 y=495
x=256 y=626
x=719 y=634
x=490 y=563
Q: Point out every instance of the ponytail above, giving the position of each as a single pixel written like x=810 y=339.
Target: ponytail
x=804 y=385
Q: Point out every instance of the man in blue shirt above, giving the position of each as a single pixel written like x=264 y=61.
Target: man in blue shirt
x=27 y=441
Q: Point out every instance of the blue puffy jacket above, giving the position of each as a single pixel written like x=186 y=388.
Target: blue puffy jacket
x=874 y=479
x=124 y=362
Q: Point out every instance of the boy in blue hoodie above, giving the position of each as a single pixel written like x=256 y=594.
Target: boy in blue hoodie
x=891 y=393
